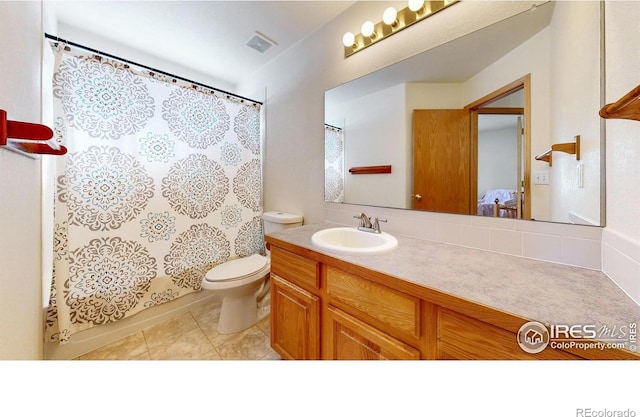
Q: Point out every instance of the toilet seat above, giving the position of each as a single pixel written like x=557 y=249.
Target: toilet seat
x=237 y=269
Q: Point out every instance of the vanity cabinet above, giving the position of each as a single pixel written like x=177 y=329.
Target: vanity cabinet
x=295 y=306
x=295 y=321
x=352 y=339
x=366 y=320
x=463 y=337
x=395 y=312
x=326 y=308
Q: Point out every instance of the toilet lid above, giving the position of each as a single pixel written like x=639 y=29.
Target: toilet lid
x=237 y=268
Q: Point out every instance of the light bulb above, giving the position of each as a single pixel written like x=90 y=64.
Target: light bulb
x=389 y=16
x=348 y=39
x=415 y=5
x=367 y=28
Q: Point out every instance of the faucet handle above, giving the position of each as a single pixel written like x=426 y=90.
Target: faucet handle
x=376 y=224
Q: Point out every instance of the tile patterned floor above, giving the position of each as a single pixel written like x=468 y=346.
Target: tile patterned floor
x=192 y=335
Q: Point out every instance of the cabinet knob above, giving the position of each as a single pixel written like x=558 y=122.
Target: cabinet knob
x=418 y=197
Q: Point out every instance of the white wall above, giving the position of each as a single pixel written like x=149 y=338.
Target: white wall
x=575 y=94
x=621 y=237
x=81 y=37
x=20 y=266
x=532 y=57
x=498 y=158
x=382 y=142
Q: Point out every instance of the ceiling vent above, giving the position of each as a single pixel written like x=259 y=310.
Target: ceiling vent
x=260 y=43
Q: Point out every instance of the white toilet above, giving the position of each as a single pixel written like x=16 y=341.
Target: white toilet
x=244 y=282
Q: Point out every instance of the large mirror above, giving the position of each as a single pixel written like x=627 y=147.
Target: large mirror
x=502 y=122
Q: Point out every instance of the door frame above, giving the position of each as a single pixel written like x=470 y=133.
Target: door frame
x=519 y=111
x=476 y=108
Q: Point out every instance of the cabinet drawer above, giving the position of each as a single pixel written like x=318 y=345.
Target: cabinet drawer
x=295 y=268
x=398 y=311
x=463 y=337
x=351 y=339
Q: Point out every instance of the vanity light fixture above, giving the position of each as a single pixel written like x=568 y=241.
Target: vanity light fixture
x=390 y=16
x=349 y=40
x=392 y=22
x=416 y=5
x=368 y=29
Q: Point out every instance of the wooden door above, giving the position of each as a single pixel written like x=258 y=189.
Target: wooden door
x=441 y=161
x=351 y=339
x=295 y=321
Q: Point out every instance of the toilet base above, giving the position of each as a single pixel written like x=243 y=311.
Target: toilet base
x=239 y=313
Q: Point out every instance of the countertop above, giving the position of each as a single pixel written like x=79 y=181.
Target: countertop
x=543 y=291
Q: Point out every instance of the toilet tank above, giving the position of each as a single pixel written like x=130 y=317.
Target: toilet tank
x=275 y=221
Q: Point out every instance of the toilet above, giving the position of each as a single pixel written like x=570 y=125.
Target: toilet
x=244 y=282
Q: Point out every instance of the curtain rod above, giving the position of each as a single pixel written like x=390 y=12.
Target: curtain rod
x=333 y=127
x=126 y=61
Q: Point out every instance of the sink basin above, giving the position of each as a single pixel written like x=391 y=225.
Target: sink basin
x=352 y=240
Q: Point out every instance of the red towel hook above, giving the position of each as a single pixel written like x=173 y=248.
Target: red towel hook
x=23 y=133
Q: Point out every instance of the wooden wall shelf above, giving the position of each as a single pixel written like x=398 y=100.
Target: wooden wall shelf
x=546 y=157
x=572 y=148
x=628 y=107
x=376 y=169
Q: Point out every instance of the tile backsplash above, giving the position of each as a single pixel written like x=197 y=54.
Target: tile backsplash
x=621 y=262
x=553 y=242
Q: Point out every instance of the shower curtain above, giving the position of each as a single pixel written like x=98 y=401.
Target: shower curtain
x=162 y=181
x=333 y=164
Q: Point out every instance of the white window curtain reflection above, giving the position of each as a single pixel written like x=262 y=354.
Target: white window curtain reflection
x=333 y=164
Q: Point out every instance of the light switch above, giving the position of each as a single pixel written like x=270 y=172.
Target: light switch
x=580 y=175
x=541 y=177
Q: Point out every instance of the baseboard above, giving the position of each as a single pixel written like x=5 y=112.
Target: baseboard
x=96 y=337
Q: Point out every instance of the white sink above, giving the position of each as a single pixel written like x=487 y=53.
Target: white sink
x=352 y=240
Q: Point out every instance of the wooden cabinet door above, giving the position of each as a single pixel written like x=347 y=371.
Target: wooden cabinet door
x=351 y=339
x=295 y=321
x=441 y=161
x=463 y=337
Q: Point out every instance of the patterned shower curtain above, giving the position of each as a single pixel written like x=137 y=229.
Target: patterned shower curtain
x=333 y=164
x=162 y=181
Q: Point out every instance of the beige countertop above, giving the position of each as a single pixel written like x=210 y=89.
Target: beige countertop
x=542 y=291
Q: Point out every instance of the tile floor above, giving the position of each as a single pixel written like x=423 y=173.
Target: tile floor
x=192 y=335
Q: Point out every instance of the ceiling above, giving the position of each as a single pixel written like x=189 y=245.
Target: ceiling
x=452 y=62
x=206 y=36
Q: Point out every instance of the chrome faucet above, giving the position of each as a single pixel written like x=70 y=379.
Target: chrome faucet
x=365 y=223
